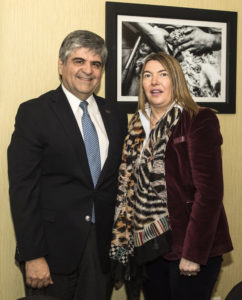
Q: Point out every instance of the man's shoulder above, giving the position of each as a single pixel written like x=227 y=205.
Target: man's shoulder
x=40 y=100
x=111 y=105
x=113 y=112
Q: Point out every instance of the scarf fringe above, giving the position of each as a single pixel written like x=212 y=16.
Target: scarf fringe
x=151 y=231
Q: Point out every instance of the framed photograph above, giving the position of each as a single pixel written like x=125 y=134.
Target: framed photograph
x=203 y=41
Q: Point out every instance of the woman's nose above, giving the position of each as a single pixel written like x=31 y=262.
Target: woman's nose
x=154 y=80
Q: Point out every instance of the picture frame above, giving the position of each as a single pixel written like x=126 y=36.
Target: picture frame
x=135 y=30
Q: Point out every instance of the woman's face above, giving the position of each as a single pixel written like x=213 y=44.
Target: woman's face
x=157 y=85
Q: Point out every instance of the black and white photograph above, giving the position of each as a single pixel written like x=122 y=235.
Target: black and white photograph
x=199 y=49
x=199 y=41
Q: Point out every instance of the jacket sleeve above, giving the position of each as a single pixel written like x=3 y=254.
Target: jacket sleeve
x=204 y=149
x=24 y=168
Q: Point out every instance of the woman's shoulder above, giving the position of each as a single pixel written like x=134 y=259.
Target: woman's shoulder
x=204 y=125
x=206 y=112
x=203 y=115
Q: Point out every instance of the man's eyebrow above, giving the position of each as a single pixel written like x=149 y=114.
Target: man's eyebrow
x=96 y=61
x=83 y=59
x=78 y=58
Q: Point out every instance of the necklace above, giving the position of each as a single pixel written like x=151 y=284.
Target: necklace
x=153 y=120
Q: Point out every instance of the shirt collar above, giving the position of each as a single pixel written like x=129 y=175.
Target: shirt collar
x=145 y=122
x=75 y=102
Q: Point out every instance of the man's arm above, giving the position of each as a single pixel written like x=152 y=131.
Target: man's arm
x=24 y=166
x=156 y=35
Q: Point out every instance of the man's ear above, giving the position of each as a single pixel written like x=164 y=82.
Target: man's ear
x=60 y=66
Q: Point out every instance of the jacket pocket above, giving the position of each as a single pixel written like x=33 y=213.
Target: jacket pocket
x=179 y=139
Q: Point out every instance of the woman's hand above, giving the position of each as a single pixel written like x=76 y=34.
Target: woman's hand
x=188 y=268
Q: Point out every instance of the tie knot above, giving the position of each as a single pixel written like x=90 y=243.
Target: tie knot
x=83 y=105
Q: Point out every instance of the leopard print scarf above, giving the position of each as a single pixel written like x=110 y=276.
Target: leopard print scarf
x=141 y=224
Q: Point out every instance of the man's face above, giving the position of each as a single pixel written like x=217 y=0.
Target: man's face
x=81 y=73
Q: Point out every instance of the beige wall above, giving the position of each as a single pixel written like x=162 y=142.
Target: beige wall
x=30 y=35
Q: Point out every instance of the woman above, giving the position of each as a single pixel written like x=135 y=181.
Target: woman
x=169 y=214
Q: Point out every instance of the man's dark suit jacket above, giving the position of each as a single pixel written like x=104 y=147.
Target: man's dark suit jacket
x=51 y=189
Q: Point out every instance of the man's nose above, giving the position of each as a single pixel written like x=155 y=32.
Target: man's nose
x=87 y=68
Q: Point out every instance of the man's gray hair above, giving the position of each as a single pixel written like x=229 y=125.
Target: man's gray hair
x=83 y=39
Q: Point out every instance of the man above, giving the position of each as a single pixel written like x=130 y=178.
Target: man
x=62 y=213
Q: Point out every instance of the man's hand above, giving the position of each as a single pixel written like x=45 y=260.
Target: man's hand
x=37 y=273
x=188 y=268
x=197 y=41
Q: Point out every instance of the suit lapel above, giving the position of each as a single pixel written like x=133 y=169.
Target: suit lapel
x=63 y=111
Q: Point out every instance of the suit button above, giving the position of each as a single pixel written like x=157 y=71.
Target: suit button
x=87 y=218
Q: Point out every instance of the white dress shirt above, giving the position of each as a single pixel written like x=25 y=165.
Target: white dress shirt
x=95 y=117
